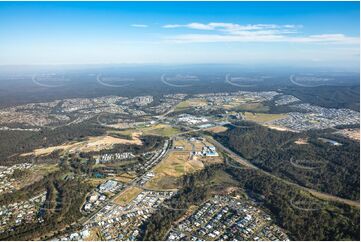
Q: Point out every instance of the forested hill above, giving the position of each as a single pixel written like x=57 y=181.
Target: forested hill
x=315 y=164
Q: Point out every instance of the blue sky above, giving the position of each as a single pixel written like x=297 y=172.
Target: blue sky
x=299 y=33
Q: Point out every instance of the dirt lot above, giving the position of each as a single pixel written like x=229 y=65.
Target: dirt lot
x=91 y=144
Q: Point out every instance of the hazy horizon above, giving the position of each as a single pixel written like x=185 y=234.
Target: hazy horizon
x=297 y=34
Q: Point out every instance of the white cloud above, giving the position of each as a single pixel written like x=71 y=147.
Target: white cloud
x=139 y=25
x=230 y=32
x=230 y=27
x=200 y=26
x=172 y=26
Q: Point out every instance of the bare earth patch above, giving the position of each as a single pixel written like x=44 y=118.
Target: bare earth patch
x=301 y=142
x=353 y=134
x=174 y=166
x=279 y=128
x=263 y=117
x=217 y=129
x=91 y=144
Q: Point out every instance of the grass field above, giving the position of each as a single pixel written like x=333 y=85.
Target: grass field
x=221 y=177
x=217 y=129
x=94 y=182
x=184 y=143
x=193 y=102
x=46 y=168
x=179 y=163
x=158 y=129
x=127 y=195
x=90 y=144
x=253 y=107
x=262 y=117
x=174 y=166
x=125 y=177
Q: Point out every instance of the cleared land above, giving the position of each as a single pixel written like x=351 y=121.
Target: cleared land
x=179 y=163
x=253 y=107
x=125 y=177
x=217 y=129
x=301 y=142
x=127 y=195
x=193 y=102
x=279 y=128
x=158 y=129
x=353 y=134
x=187 y=146
x=91 y=144
x=171 y=168
x=262 y=117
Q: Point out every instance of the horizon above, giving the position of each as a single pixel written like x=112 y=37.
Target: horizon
x=297 y=34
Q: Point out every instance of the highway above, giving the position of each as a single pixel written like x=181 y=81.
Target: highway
x=318 y=194
x=246 y=163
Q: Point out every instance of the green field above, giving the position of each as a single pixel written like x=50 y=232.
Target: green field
x=127 y=195
x=262 y=117
x=195 y=102
x=160 y=130
x=255 y=107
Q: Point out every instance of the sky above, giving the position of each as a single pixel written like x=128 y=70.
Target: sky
x=260 y=33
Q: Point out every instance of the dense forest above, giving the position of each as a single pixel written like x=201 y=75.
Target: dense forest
x=16 y=142
x=316 y=164
x=325 y=221
x=66 y=189
x=328 y=96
